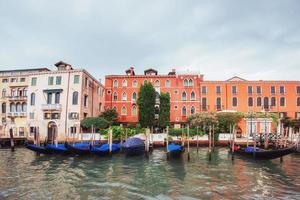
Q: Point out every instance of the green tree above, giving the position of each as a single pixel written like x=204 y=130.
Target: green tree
x=110 y=115
x=225 y=119
x=164 y=110
x=146 y=103
x=97 y=122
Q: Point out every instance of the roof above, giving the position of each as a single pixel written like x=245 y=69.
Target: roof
x=25 y=70
x=61 y=63
x=236 y=78
x=150 y=70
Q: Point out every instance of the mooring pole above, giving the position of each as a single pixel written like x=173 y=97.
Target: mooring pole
x=147 y=141
x=167 y=143
x=110 y=140
x=233 y=140
x=188 y=142
x=11 y=136
x=197 y=140
x=209 y=143
x=213 y=138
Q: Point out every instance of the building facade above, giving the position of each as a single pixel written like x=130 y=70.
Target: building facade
x=13 y=101
x=190 y=94
x=59 y=100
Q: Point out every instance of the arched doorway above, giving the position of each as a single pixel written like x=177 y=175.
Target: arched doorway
x=52 y=132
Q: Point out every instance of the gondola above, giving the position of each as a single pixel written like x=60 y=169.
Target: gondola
x=133 y=147
x=37 y=149
x=78 y=148
x=261 y=154
x=175 y=150
x=104 y=149
x=57 y=149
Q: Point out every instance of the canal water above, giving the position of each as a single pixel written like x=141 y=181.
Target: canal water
x=23 y=175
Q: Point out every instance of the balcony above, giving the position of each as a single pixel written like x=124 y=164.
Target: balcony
x=57 y=107
x=17 y=98
x=16 y=114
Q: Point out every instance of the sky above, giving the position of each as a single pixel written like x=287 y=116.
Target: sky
x=256 y=40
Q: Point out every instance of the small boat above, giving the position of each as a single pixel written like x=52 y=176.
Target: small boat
x=261 y=154
x=134 y=146
x=175 y=150
x=78 y=148
x=37 y=149
x=104 y=149
x=57 y=148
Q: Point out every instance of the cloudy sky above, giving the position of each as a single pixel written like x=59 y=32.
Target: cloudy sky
x=252 y=39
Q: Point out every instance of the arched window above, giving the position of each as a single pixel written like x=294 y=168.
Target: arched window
x=258 y=101
x=13 y=93
x=19 y=107
x=75 y=98
x=183 y=111
x=185 y=82
x=133 y=111
x=298 y=101
x=134 y=97
x=32 y=99
x=12 y=107
x=115 y=84
x=273 y=101
x=234 y=102
x=266 y=102
x=123 y=111
x=3 y=107
x=168 y=83
x=157 y=83
x=191 y=82
x=124 y=83
x=282 y=101
x=193 y=96
x=134 y=83
x=250 y=101
x=115 y=96
x=4 y=93
x=24 y=107
x=145 y=81
x=124 y=96
x=193 y=110
x=204 y=104
x=24 y=92
x=183 y=96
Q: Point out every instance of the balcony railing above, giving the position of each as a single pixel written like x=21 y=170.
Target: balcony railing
x=16 y=114
x=52 y=107
x=17 y=98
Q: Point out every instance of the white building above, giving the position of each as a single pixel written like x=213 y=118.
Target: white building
x=58 y=100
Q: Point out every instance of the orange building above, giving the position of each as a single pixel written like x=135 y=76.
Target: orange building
x=190 y=93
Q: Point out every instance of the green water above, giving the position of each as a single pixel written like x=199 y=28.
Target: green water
x=23 y=175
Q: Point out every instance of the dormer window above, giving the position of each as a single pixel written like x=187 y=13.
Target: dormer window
x=150 y=72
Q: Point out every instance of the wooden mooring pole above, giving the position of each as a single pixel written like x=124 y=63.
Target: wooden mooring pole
x=167 y=143
x=110 y=140
x=147 y=141
x=209 y=143
x=188 y=142
x=11 y=136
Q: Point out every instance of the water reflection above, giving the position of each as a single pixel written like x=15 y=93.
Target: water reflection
x=23 y=175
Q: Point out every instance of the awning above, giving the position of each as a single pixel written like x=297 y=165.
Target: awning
x=53 y=90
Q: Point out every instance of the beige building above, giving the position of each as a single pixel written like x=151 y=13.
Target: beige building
x=58 y=100
x=13 y=101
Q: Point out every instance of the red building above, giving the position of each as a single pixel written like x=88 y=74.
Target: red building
x=190 y=93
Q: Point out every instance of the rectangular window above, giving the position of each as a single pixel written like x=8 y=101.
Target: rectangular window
x=250 y=90
x=13 y=80
x=31 y=130
x=258 y=89
x=22 y=79
x=57 y=98
x=282 y=89
x=5 y=80
x=85 y=102
x=218 y=89
x=298 y=89
x=203 y=90
x=49 y=98
x=58 y=80
x=33 y=81
x=47 y=115
x=86 y=82
x=31 y=115
x=73 y=130
x=55 y=115
x=73 y=115
x=273 y=89
x=204 y=104
x=297 y=115
x=76 y=79
x=50 y=80
x=233 y=89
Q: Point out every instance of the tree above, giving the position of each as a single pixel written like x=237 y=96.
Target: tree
x=227 y=119
x=164 y=110
x=97 y=122
x=110 y=115
x=146 y=103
